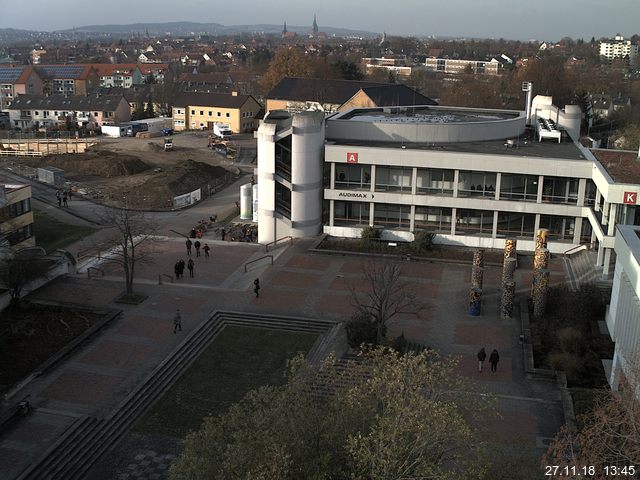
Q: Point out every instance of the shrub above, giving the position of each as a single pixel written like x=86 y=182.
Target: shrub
x=571 y=364
x=361 y=329
x=422 y=241
x=570 y=340
x=369 y=236
x=399 y=343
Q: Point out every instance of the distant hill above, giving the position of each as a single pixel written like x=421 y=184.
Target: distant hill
x=189 y=28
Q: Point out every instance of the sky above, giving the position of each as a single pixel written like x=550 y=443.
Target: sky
x=509 y=19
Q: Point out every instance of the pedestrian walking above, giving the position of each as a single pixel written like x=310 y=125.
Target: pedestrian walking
x=177 y=321
x=197 y=245
x=190 y=267
x=482 y=355
x=181 y=263
x=176 y=269
x=65 y=198
x=188 y=243
x=59 y=198
x=494 y=358
x=256 y=287
x=70 y=194
x=223 y=233
x=206 y=249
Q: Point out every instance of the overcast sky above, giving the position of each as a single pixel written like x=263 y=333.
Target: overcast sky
x=511 y=19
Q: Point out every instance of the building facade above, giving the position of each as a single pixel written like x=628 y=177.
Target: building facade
x=16 y=217
x=18 y=81
x=200 y=111
x=455 y=66
x=472 y=176
x=618 y=47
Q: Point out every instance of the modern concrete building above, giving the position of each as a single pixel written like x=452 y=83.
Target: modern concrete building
x=16 y=217
x=454 y=66
x=623 y=313
x=618 y=47
x=472 y=176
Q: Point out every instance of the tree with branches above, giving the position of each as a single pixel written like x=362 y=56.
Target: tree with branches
x=132 y=234
x=386 y=295
x=18 y=269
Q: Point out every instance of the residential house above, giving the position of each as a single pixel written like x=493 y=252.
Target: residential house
x=23 y=80
x=601 y=105
x=618 y=47
x=16 y=217
x=68 y=79
x=118 y=76
x=300 y=94
x=391 y=63
x=199 y=111
x=37 y=111
x=156 y=72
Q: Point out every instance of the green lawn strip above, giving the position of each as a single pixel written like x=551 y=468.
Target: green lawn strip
x=239 y=360
x=52 y=234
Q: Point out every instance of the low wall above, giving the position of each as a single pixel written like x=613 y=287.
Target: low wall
x=49 y=147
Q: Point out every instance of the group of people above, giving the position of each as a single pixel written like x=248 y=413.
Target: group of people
x=206 y=248
x=63 y=197
x=178 y=268
x=494 y=358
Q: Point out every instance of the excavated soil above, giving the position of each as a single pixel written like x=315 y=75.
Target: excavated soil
x=100 y=163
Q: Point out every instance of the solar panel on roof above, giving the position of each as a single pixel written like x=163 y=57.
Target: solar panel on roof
x=10 y=75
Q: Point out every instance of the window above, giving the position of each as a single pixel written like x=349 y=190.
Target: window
x=519 y=187
x=560 y=228
x=515 y=224
x=95 y=114
x=201 y=112
x=434 y=181
x=219 y=114
x=433 y=219
x=210 y=113
x=227 y=114
x=353 y=177
x=393 y=179
x=590 y=194
x=19 y=235
x=283 y=200
x=560 y=190
x=392 y=216
x=283 y=158
x=351 y=213
x=474 y=222
x=480 y=184
x=193 y=112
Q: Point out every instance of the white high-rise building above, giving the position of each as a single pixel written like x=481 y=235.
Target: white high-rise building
x=618 y=47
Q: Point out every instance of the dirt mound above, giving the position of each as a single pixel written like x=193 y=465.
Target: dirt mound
x=101 y=163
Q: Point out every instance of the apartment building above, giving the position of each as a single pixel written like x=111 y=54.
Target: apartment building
x=68 y=79
x=199 y=111
x=472 y=176
x=37 y=111
x=16 y=217
x=618 y=47
x=23 y=80
x=456 y=66
x=118 y=75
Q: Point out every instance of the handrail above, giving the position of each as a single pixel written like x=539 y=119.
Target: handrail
x=86 y=252
x=588 y=245
x=275 y=242
x=257 y=259
x=96 y=269
x=170 y=277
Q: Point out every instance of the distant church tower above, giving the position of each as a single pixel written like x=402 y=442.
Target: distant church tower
x=314 y=29
x=284 y=30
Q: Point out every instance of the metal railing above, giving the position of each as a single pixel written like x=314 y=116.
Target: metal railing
x=275 y=242
x=257 y=260
x=89 y=252
x=170 y=277
x=586 y=246
x=99 y=272
x=20 y=153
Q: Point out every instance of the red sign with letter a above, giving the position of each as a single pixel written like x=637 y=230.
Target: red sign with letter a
x=352 y=157
x=630 y=198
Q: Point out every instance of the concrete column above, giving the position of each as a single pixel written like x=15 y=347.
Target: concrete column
x=414 y=182
x=498 y=182
x=599 y=255
x=454 y=220
x=596 y=205
x=332 y=212
x=373 y=178
x=613 y=209
x=371 y=214
x=540 y=185
x=607 y=261
x=332 y=180
x=456 y=179
x=582 y=191
x=605 y=213
x=536 y=223
x=412 y=216
x=577 y=230
x=494 y=230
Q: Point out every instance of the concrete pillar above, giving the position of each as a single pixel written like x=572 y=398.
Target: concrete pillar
x=373 y=178
x=613 y=210
x=540 y=185
x=412 y=217
x=606 y=262
x=498 y=182
x=456 y=179
x=454 y=220
x=599 y=255
x=414 y=182
x=596 y=205
x=332 y=212
x=508 y=269
x=332 y=177
x=577 y=230
x=494 y=230
x=582 y=191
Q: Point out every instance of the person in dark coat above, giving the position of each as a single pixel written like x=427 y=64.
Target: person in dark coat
x=494 y=358
x=190 y=267
x=206 y=249
x=188 y=243
x=177 y=321
x=256 y=287
x=176 y=269
x=59 y=198
x=65 y=198
x=482 y=355
x=181 y=263
x=197 y=245
x=223 y=233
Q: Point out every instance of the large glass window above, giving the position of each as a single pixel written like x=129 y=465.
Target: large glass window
x=434 y=181
x=590 y=194
x=391 y=216
x=353 y=177
x=350 y=213
x=516 y=224
x=283 y=158
x=481 y=184
x=19 y=235
x=519 y=187
x=560 y=190
x=433 y=219
x=283 y=200
x=474 y=222
x=393 y=179
x=560 y=228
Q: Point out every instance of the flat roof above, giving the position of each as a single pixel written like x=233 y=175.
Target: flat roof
x=426 y=114
x=622 y=165
x=518 y=147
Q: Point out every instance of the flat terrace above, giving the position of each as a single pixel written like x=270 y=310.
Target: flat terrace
x=518 y=147
x=424 y=114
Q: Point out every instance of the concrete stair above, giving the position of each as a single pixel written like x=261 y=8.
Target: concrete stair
x=74 y=454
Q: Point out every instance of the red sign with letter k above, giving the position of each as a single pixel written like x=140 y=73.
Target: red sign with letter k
x=630 y=198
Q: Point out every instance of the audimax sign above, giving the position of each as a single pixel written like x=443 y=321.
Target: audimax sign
x=354 y=195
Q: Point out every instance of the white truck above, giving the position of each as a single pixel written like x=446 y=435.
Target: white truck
x=222 y=130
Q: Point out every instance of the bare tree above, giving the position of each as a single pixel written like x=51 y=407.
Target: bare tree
x=386 y=295
x=18 y=270
x=132 y=234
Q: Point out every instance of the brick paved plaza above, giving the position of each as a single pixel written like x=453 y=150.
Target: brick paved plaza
x=94 y=379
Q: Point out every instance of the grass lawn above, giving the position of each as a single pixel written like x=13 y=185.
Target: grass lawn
x=52 y=234
x=237 y=361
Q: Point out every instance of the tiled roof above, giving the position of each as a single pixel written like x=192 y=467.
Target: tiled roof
x=74 y=102
x=395 y=95
x=317 y=89
x=622 y=165
x=73 y=71
x=222 y=100
x=109 y=69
